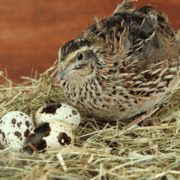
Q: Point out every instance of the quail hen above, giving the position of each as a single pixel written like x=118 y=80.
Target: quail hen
x=121 y=66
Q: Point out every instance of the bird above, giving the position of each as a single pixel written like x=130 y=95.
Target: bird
x=122 y=66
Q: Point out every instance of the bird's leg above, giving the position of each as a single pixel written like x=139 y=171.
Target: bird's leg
x=150 y=121
x=143 y=117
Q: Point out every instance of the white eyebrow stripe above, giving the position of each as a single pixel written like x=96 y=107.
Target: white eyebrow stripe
x=73 y=54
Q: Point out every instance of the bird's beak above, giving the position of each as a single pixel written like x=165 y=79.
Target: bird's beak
x=60 y=74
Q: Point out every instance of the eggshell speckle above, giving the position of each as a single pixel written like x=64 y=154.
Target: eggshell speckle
x=58 y=111
x=53 y=134
x=15 y=127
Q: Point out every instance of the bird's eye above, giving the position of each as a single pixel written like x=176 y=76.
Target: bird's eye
x=80 y=56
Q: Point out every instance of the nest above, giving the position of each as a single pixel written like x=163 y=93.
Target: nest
x=102 y=150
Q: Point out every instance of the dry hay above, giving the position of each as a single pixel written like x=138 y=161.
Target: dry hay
x=102 y=150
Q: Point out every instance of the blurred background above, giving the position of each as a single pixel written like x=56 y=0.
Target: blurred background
x=31 y=31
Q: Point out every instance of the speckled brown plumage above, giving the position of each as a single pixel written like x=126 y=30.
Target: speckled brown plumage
x=122 y=65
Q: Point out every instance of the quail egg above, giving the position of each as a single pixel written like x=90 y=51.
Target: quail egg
x=59 y=111
x=53 y=134
x=14 y=129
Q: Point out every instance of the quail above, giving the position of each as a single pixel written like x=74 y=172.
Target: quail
x=121 y=66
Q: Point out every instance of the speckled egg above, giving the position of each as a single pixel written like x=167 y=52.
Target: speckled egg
x=15 y=127
x=59 y=111
x=53 y=134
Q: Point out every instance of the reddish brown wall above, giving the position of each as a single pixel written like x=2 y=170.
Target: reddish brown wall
x=31 y=31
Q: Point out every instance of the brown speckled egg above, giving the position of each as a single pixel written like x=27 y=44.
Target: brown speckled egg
x=15 y=127
x=53 y=134
x=58 y=111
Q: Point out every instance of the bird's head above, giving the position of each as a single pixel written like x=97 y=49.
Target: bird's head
x=77 y=61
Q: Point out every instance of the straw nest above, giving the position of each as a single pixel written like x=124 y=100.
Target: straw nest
x=102 y=150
